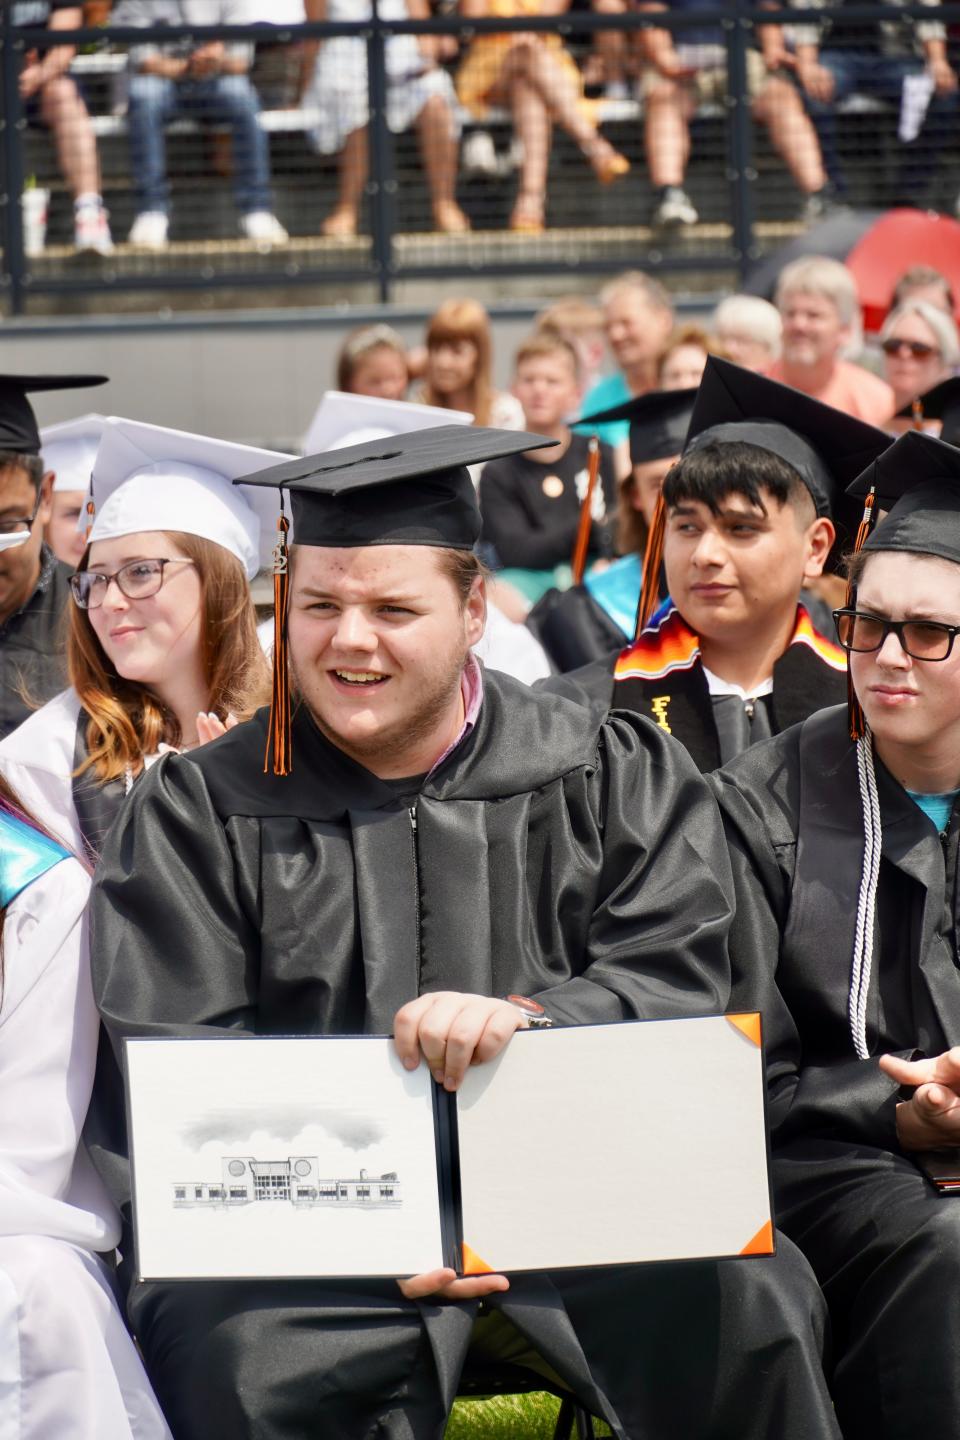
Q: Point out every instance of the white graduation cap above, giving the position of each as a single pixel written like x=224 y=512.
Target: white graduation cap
x=146 y=477
x=344 y=419
x=70 y=449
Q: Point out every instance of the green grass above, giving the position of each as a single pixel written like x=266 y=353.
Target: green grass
x=507 y=1417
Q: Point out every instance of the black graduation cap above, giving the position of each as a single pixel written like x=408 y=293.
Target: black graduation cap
x=658 y=422
x=918 y=481
x=411 y=489
x=19 y=433
x=942 y=402
x=824 y=446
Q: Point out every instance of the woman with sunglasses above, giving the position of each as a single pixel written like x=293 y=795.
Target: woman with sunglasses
x=162 y=649
x=920 y=348
x=70 y=1370
x=844 y=835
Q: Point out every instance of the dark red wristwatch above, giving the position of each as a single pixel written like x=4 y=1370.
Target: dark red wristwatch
x=537 y=1017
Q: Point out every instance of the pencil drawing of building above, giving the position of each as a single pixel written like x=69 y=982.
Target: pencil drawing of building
x=244 y=1180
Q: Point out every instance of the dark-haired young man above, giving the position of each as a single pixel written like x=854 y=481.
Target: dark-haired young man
x=732 y=656
x=33 y=584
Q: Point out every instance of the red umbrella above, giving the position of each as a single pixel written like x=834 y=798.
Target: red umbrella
x=895 y=243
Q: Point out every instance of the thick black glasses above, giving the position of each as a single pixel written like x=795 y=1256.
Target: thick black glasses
x=23 y=526
x=921 y=639
x=138 y=580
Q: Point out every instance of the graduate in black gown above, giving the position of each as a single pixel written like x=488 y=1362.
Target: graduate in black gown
x=445 y=838
x=733 y=655
x=591 y=621
x=33 y=583
x=845 y=859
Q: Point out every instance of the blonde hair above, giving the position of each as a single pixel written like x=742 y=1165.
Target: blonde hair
x=126 y=719
x=464 y=320
x=546 y=342
x=572 y=317
x=636 y=281
x=752 y=317
x=360 y=344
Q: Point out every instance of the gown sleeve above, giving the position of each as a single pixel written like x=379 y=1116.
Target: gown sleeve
x=174 y=950
x=657 y=941
x=845 y=1098
x=48 y=1047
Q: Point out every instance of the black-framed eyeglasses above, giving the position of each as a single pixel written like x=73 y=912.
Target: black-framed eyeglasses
x=861 y=632
x=24 y=525
x=138 y=580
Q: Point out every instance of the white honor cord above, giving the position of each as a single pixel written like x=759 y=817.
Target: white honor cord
x=867 y=899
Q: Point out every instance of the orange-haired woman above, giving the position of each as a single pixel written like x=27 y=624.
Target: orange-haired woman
x=458 y=369
x=163 y=649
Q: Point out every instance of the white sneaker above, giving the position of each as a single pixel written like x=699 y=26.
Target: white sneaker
x=675 y=208
x=149 y=230
x=263 y=228
x=478 y=154
x=90 y=229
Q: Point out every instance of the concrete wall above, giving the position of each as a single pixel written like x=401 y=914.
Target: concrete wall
x=253 y=378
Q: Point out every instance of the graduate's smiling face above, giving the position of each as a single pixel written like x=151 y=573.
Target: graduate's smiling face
x=739 y=568
x=378 y=638
x=911 y=705
x=155 y=640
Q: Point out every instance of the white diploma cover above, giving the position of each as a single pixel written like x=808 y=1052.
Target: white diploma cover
x=579 y=1146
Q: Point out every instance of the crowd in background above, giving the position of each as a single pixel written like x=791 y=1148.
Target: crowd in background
x=449 y=89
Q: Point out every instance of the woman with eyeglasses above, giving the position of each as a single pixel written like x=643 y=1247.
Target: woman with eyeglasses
x=162 y=649
x=70 y=1370
x=844 y=834
x=920 y=348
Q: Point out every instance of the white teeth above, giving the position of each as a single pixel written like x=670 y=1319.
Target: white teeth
x=357 y=677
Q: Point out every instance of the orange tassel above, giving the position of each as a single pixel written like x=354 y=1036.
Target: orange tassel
x=580 y=550
x=858 y=725
x=278 y=732
x=652 y=562
x=91 y=510
x=916 y=412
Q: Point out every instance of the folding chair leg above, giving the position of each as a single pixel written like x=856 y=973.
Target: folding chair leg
x=573 y=1420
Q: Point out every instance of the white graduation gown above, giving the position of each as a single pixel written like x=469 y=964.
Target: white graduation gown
x=36 y=759
x=68 y=1368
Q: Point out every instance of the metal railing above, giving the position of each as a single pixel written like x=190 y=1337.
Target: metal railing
x=746 y=199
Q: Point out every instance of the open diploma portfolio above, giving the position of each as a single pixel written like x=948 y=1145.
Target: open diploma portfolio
x=589 y=1145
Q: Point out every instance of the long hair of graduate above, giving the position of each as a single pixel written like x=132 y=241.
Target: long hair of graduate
x=127 y=721
x=464 y=320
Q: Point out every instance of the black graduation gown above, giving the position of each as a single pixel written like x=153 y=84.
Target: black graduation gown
x=885 y=1248
x=547 y=859
x=32 y=645
x=661 y=676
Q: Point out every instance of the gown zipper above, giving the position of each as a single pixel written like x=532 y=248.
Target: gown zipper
x=412 y=812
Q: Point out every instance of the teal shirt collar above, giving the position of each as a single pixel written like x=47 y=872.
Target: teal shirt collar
x=25 y=855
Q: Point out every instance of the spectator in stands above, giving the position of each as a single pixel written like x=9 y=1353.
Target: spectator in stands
x=579 y=321
x=530 y=503
x=459 y=366
x=689 y=68
x=536 y=78
x=923 y=282
x=638 y=313
x=684 y=356
x=209 y=81
x=920 y=348
x=749 y=329
x=876 y=58
x=419 y=93
x=818 y=305
x=373 y=361
x=48 y=94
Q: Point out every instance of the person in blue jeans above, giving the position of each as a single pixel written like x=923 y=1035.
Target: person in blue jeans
x=208 y=81
x=875 y=58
